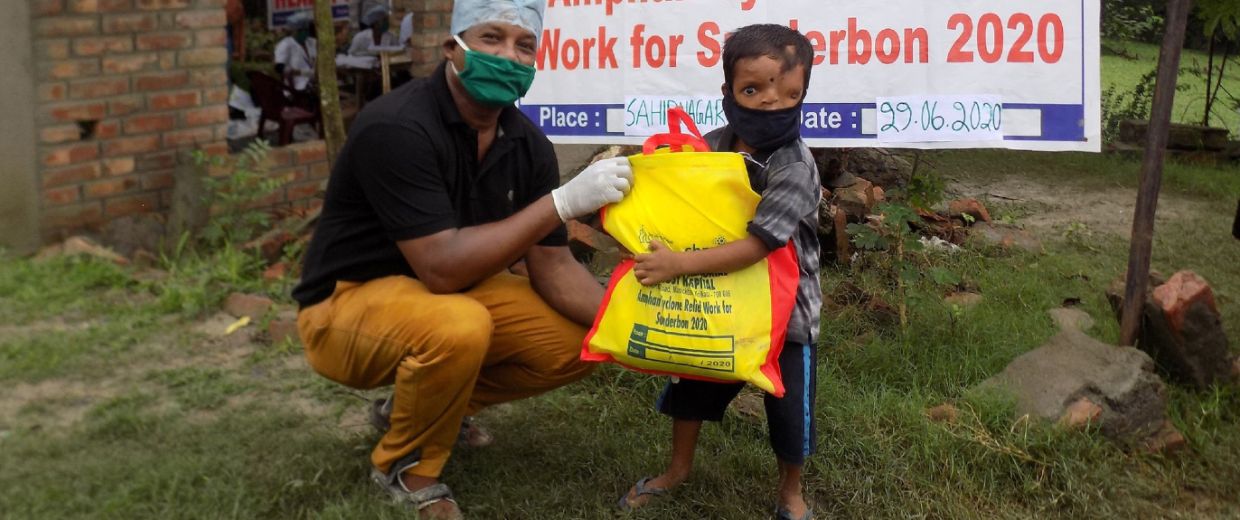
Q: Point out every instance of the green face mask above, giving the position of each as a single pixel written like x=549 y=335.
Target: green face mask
x=493 y=80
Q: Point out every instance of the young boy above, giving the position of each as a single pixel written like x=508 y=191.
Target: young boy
x=766 y=74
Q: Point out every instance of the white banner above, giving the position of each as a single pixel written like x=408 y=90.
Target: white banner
x=608 y=69
x=278 y=11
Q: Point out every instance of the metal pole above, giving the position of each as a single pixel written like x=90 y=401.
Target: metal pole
x=1151 y=170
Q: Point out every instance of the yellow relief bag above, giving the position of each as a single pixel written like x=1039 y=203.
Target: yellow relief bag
x=724 y=327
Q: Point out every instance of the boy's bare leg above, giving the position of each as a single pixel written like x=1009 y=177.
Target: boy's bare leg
x=790 y=498
x=684 y=444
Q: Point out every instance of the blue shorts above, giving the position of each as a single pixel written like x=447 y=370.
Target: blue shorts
x=790 y=419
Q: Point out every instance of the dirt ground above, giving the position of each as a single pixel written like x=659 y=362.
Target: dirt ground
x=1053 y=208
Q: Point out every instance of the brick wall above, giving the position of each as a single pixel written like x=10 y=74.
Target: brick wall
x=126 y=88
x=432 y=18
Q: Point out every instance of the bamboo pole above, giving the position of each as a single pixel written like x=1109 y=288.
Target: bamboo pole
x=1151 y=170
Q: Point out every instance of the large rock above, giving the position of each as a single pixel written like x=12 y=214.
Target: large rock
x=857 y=200
x=879 y=166
x=1051 y=381
x=1004 y=236
x=1181 y=329
x=1185 y=333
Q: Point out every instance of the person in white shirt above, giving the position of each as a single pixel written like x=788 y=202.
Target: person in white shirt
x=295 y=53
x=376 y=35
x=406 y=31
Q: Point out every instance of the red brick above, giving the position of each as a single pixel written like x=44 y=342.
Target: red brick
x=211 y=38
x=75 y=174
x=131 y=145
x=209 y=77
x=52 y=92
x=206 y=116
x=60 y=134
x=215 y=95
x=129 y=63
x=118 y=166
x=157 y=161
x=216 y=149
x=167 y=60
x=99 y=45
x=61 y=196
x=84 y=6
x=157 y=180
x=147 y=123
x=46 y=49
x=129 y=23
x=202 y=57
x=310 y=152
x=161 y=5
x=111 y=6
x=77 y=112
x=280 y=157
x=97 y=88
x=319 y=171
x=125 y=106
x=76 y=216
x=303 y=190
x=65 y=69
x=174 y=100
x=67 y=26
x=107 y=130
x=191 y=136
x=130 y=204
x=71 y=154
x=47 y=7
x=110 y=187
x=201 y=19
x=160 y=80
x=163 y=40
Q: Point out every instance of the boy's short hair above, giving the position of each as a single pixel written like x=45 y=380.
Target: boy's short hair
x=777 y=41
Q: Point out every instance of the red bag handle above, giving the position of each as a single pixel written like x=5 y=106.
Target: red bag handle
x=676 y=138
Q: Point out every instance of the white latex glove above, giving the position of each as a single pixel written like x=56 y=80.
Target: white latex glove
x=602 y=183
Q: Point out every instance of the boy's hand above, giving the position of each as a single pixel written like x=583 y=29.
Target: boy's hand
x=658 y=266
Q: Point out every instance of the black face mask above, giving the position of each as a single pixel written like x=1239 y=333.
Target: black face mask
x=764 y=130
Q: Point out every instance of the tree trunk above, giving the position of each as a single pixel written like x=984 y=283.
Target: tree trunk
x=329 y=89
x=1205 y=118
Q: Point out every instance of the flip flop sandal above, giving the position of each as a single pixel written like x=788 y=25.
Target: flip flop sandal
x=783 y=514
x=419 y=499
x=642 y=490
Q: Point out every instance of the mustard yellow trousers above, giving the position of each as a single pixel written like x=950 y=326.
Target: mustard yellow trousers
x=447 y=355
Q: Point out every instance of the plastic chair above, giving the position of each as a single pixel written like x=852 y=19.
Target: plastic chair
x=278 y=103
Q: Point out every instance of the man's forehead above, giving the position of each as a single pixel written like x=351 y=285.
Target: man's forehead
x=503 y=28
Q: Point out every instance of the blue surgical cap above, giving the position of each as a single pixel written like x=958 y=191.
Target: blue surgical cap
x=374 y=14
x=299 y=20
x=522 y=13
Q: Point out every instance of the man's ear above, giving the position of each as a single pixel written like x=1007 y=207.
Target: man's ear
x=449 y=46
x=723 y=89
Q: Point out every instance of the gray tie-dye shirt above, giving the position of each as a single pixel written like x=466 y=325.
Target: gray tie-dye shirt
x=787 y=179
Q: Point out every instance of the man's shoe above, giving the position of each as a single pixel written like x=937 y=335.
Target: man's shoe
x=472 y=435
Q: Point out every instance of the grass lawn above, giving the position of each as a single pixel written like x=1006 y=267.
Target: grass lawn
x=118 y=405
x=1125 y=72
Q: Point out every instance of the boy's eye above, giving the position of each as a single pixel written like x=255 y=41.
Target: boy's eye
x=749 y=91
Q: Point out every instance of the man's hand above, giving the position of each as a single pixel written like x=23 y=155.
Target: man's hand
x=658 y=266
x=602 y=183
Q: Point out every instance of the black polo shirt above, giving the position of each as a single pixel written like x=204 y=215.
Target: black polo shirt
x=409 y=169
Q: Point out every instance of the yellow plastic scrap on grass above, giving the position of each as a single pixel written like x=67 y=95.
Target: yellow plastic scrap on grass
x=724 y=327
